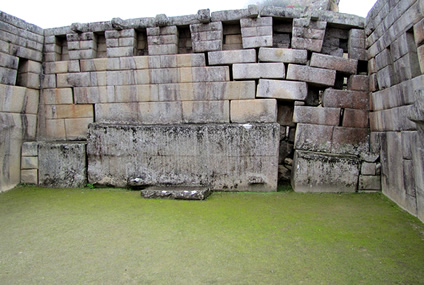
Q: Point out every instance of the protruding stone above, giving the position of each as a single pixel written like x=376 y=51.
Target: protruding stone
x=313 y=75
x=118 y=24
x=204 y=15
x=177 y=193
x=281 y=89
x=78 y=27
x=253 y=11
x=162 y=20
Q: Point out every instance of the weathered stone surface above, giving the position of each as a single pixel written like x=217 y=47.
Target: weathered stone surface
x=29 y=162
x=318 y=172
x=350 y=140
x=256 y=111
x=280 y=89
x=316 y=115
x=369 y=182
x=395 y=119
x=358 y=83
x=317 y=76
x=259 y=70
x=177 y=193
x=355 y=118
x=256 y=32
x=204 y=16
x=232 y=56
x=206 y=112
x=313 y=137
x=285 y=55
x=347 y=66
x=30 y=149
x=225 y=157
x=62 y=164
x=29 y=176
x=345 y=99
x=368 y=168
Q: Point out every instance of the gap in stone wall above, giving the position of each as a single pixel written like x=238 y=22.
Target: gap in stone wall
x=184 y=40
x=232 y=36
x=282 y=33
x=101 y=45
x=61 y=48
x=142 y=47
x=20 y=78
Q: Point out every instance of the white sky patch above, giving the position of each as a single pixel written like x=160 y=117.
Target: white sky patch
x=50 y=14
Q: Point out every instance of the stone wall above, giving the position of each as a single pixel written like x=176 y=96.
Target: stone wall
x=395 y=33
x=21 y=46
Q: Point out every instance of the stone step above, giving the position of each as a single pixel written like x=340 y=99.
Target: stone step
x=177 y=192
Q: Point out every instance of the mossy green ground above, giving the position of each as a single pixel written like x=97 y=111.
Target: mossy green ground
x=112 y=236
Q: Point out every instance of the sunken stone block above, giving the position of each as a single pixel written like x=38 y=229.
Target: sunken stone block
x=319 y=172
x=177 y=193
x=62 y=164
x=347 y=66
x=228 y=157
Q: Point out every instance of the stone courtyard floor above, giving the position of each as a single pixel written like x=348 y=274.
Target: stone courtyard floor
x=113 y=236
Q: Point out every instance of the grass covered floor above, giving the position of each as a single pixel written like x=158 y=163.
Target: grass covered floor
x=112 y=236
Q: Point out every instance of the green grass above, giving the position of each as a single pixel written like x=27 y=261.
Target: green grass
x=112 y=236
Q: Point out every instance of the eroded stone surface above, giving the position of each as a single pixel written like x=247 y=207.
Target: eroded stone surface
x=177 y=193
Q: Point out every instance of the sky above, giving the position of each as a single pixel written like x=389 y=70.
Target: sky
x=53 y=13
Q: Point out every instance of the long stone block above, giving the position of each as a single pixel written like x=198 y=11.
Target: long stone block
x=227 y=157
x=345 y=99
x=316 y=115
x=318 y=172
x=256 y=111
x=285 y=55
x=204 y=112
x=369 y=183
x=259 y=41
x=68 y=111
x=395 y=119
x=57 y=96
x=280 y=89
x=259 y=70
x=344 y=65
x=231 y=56
x=62 y=164
x=313 y=75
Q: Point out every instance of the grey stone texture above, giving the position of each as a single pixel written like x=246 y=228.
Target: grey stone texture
x=312 y=75
x=62 y=164
x=256 y=32
x=285 y=55
x=245 y=71
x=308 y=34
x=281 y=89
x=319 y=172
x=225 y=157
x=207 y=37
x=177 y=193
x=232 y=56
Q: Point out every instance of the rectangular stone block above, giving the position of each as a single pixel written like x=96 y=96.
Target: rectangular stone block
x=29 y=162
x=204 y=112
x=317 y=76
x=253 y=111
x=8 y=61
x=285 y=55
x=163 y=49
x=358 y=83
x=259 y=70
x=225 y=157
x=31 y=101
x=200 y=44
x=318 y=172
x=350 y=140
x=355 y=118
x=259 y=41
x=369 y=183
x=29 y=176
x=313 y=137
x=8 y=76
x=419 y=33
x=12 y=99
x=30 y=149
x=231 y=56
x=57 y=96
x=68 y=111
x=343 y=65
x=62 y=164
x=141 y=113
x=77 y=128
x=308 y=44
x=408 y=140
x=368 y=168
x=104 y=94
x=280 y=89
x=55 y=129
x=316 y=115
x=345 y=99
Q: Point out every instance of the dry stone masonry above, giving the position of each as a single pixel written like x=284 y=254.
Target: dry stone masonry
x=236 y=100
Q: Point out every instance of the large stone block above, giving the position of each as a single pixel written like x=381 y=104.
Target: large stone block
x=57 y=96
x=29 y=176
x=231 y=56
x=206 y=112
x=280 y=89
x=343 y=65
x=358 y=83
x=62 y=164
x=313 y=137
x=318 y=172
x=12 y=98
x=345 y=99
x=259 y=70
x=355 y=118
x=316 y=115
x=256 y=111
x=369 y=183
x=350 y=140
x=227 y=157
x=313 y=75
x=285 y=55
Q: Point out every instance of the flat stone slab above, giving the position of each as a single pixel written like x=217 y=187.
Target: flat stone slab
x=177 y=193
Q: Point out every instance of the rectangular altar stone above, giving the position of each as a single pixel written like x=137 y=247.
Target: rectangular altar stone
x=227 y=157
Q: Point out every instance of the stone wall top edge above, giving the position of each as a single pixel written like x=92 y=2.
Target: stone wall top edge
x=335 y=18
x=126 y=126
x=19 y=23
